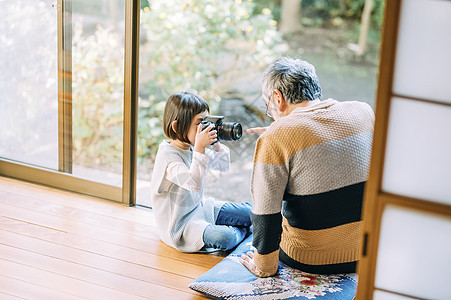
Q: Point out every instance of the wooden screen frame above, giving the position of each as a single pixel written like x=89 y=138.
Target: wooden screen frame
x=376 y=199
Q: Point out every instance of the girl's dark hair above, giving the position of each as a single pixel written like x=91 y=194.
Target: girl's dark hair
x=182 y=107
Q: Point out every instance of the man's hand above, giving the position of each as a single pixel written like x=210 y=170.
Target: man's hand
x=248 y=261
x=256 y=130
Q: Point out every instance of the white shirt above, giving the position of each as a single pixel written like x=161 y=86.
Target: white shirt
x=181 y=212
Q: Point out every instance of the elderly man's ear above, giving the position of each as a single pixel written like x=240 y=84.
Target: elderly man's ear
x=279 y=100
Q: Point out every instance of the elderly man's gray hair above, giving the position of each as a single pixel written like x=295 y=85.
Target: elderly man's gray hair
x=296 y=79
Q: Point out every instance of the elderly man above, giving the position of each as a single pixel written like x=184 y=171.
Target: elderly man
x=310 y=168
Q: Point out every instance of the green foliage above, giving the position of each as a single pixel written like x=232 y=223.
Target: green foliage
x=273 y=5
x=150 y=130
x=202 y=46
x=97 y=85
x=333 y=10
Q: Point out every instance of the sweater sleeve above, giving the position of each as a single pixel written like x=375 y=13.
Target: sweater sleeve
x=219 y=160
x=188 y=178
x=269 y=180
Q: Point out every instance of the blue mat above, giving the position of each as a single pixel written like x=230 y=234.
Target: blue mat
x=231 y=280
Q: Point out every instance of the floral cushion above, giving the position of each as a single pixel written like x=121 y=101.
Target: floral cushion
x=231 y=280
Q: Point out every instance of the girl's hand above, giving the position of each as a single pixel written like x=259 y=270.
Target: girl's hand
x=204 y=138
x=256 y=130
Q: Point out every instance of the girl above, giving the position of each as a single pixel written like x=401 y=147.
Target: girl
x=187 y=221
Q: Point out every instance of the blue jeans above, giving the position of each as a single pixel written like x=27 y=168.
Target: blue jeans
x=232 y=226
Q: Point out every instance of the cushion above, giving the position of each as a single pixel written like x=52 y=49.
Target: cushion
x=229 y=279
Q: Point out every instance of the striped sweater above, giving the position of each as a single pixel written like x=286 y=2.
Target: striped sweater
x=307 y=185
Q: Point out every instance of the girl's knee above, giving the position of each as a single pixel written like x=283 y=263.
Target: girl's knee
x=235 y=214
x=235 y=236
x=224 y=237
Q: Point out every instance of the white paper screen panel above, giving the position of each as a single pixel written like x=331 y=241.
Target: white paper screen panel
x=382 y=295
x=414 y=253
x=423 y=55
x=418 y=151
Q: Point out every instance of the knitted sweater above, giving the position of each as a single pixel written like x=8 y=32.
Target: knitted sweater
x=307 y=184
x=180 y=210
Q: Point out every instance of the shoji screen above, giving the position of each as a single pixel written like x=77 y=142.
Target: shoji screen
x=406 y=244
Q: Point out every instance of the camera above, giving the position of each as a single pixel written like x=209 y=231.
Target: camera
x=226 y=131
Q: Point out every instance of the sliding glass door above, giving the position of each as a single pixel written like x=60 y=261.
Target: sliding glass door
x=218 y=50
x=62 y=94
x=29 y=82
x=97 y=44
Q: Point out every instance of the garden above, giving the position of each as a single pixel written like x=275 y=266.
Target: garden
x=217 y=49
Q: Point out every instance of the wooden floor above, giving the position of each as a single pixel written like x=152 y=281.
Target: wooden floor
x=59 y=245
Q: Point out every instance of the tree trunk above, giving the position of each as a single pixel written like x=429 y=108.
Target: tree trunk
x=290 y=19
x=364 y=27
x=112 y=5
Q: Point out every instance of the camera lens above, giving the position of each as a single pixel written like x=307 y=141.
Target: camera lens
x=230 y=131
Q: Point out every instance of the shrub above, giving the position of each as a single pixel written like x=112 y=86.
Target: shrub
x=200 y=45
x=97 y=87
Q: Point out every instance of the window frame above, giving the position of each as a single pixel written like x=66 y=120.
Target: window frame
x=375 y=199
x=62 y=178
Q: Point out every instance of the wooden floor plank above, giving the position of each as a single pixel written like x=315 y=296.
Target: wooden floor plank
x=19 y=289
x=61 y=245
x=137 y=214
x=66 y=285
x=87 y=217
x=99 y=247
x=4 y=296
x=98 y=261
x=106 y=235
x=89 y=274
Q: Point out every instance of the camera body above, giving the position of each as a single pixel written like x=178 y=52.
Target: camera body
x=226 y=131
